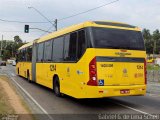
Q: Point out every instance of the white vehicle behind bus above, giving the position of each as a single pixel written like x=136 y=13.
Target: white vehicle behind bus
x=14 y=63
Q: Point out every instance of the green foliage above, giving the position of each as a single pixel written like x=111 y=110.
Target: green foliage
x=153 y=67
x=6 y=55
x=10 y=47
x=152 y=41
x=17 y=39
x=148 y=40
x=156 y=38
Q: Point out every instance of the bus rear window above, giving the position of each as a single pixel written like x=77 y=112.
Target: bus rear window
x=117 y=39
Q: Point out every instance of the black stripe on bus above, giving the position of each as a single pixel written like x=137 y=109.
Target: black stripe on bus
x=120 y=59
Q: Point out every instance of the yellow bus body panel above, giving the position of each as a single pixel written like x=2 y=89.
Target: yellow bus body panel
x=23 y=67
x=75 y=85
x=82 y=90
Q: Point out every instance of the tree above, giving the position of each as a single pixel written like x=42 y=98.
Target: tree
x=17 y=39
x=156 y=39
x=6 y=55
x=148 y=41
x=10 y=47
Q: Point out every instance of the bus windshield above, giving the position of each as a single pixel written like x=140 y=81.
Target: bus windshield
x=117 y=39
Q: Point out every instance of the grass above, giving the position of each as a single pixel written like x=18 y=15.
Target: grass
x=153 y=67
x=5 y=107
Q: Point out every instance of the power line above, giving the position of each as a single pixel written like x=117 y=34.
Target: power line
x=38 y=22
x=3 y=20
x=12 y=21
x=88 y=10
x=41 y=15
x=47 y=30
x=15 y=31
x=83 y=13
x=53 y=24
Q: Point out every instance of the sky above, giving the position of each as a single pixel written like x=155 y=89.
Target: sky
x=142 y=13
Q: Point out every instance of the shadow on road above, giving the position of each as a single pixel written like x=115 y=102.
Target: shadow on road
x=94 y=103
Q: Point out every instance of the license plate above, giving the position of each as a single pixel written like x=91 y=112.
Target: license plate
x=124 y=91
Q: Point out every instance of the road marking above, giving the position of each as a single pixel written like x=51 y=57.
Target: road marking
x=3 y=74
x=32 y=99
x=136 y=110
x=13 y=74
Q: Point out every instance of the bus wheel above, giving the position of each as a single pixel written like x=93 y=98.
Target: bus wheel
x=56 y=87
x=18 y=71
x=28 y=79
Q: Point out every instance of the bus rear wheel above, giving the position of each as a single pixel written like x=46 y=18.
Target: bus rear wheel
x=28 y=78
x=56 y=87
x=18 y=71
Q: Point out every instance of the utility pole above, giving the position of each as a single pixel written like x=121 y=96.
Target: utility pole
x=1 y=43
x=1 y=48
x=56 y=28
x=53 y=24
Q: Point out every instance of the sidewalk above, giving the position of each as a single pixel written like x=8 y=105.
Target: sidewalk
x=153 y=87
x=14 y=101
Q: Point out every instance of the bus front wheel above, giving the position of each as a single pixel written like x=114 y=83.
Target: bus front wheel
x=56 y=87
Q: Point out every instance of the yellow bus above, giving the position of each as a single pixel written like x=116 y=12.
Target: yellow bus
x=94 y=59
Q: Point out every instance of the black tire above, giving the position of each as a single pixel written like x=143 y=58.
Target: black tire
x=56 y=87
x=28 y=79
x=18 y=71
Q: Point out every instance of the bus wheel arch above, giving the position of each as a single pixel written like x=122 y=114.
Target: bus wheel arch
x=56 y=85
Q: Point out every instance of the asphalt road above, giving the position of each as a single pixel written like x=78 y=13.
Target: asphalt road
x=67 y=106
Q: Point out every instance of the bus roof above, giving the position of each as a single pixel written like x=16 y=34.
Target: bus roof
x=26 y=45
x=107 y=24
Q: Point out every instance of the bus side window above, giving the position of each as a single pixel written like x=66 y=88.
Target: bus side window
x=48 y=51
x=66 y=48
x=81 y=43
x=40 y=52
x=24 y=55
x=57 y=54
x=73 y=47
x=29 y=54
